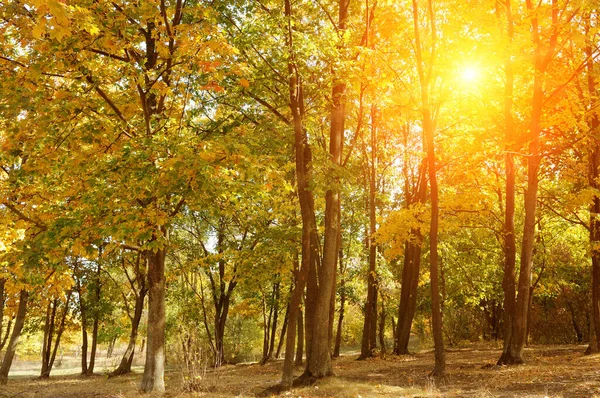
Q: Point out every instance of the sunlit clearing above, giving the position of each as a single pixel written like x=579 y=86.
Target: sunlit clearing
x=470 y=74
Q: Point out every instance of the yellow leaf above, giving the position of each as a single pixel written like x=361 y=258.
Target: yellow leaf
x=244 y=83
x=38 y=31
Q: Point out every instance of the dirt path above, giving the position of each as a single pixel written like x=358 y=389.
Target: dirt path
x=550 y=371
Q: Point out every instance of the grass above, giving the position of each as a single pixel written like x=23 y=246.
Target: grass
x=550 y=371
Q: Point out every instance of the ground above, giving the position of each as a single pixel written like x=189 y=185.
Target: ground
x=550 y=371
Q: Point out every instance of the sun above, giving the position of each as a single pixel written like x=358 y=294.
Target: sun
x=470 y=74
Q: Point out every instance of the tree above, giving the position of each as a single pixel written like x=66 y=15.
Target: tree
x=135 y=66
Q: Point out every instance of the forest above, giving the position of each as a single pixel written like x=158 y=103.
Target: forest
x=188 y=187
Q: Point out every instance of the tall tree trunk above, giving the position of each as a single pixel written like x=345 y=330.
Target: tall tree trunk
x=220 y=321
x=127 y=360
x=266 y=330
x=51 y=348
x=382 y=326
x=429 y=133
x=338 y=334
x=529 y=311
x=368 y=345
x=2 y=300
x=533 y=162
x=412 y=263
x=48 y=332
x=593 y=181
x=11 y=349
x=300 y=340
x=310 y=299
x=84 y=339
x=6 y=334
x=275 y=316
x=303 y=178
x=154 y=369
x=84 y=334
x=319 y=359
x=509 y=244
x=96 y=318
x=541 y=62
x=283 y=331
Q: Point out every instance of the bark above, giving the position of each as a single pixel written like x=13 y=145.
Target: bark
x=127 y=359
x=412 y=263
x=283 y=331
x=221 y=298
x=51 y=347
x=593 y=181
x=96 y=321
x=529 y=311
x=153 y=378
x=84 y=335
x=576 y=328
x=429 y=132
x=303 y=178
x=368 y=345
x=310 y=299
x=509 y=244
x=266 y=329
x=408 y=297
x=541 y=62
x=300 y=341
x=338 y=335
x=2 y=300
x=140 y=289
x=274 y=325
x=319 y=359
x=48 y=331
x=11 y=349
x=7 y=330
x=6 y=334
x=382 y=327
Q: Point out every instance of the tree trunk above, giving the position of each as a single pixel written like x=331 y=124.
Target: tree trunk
x=11 y=349
x=127 y=360
x=593 y=180
x=541 y=62
x=429 y=133
x=266 y=329
x=2 y=300
x=48 y=332
x=283 y=331
x=509 y=244
x=49 y=353
x=338 y=335
x=368 y=345
x=310 y=299
x=154 y=369
x=84 y=345
x=84 y=335
x=96 y=319
x=274 y=325
x=303 y=178
x=300 y=340
x=412 y=267
x=319 y=359
x=382 y=327
x=6 y=334
x=529 y=310
x=220 y=321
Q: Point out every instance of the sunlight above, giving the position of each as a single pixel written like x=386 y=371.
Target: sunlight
x=470 y=74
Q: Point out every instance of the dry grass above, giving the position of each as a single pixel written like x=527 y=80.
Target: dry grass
x=550 y=371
